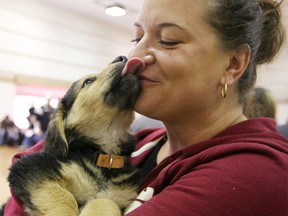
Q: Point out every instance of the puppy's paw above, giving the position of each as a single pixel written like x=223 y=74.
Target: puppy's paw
x=101 y=207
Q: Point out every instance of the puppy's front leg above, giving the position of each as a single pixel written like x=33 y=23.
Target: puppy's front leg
x=101 y=207
x=52 y=199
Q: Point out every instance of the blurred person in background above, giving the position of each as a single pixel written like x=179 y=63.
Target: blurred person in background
x=260 y=103
x=9 y=132
x=33 y=133
x=44 y=115
x=38 y=123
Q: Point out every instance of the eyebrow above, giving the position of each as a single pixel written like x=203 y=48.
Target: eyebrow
x=164 y=25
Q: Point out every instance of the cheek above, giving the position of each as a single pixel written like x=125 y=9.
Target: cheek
x=177 y=69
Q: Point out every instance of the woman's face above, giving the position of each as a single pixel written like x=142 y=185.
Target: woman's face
x=185 y=65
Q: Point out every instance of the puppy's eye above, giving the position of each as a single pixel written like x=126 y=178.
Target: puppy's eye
x=88 y=81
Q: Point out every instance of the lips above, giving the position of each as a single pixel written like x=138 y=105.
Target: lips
x=134 y=65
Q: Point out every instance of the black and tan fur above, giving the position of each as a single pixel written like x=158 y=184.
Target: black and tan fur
x=93 y=117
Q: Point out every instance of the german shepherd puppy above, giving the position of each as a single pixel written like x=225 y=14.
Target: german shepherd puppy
x=86 y=150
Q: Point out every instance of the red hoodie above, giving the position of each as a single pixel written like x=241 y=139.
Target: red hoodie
x=242 y=171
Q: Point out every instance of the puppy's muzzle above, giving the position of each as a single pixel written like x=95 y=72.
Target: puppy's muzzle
x=125 y=88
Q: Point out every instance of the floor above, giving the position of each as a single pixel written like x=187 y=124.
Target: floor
x=6 y=154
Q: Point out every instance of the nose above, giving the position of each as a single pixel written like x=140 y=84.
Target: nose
x=149 y=59
x=120 y=59
x=145 y=50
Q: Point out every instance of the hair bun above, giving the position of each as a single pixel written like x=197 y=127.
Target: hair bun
x=273 y=33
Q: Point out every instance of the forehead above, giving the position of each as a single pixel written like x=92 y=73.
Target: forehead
x=184 y=13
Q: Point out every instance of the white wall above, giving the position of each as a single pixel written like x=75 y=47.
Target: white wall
x=7 y=94
x=44 y=42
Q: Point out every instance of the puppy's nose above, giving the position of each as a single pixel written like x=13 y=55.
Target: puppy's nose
x=120 y=59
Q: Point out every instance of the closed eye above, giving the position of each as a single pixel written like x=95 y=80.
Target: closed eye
x=135 y=40
x=88 y=81
x=169 y=43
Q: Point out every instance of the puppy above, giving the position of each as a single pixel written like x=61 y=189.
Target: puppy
x=85 y=156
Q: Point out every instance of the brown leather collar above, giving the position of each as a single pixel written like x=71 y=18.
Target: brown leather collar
x=111 y=161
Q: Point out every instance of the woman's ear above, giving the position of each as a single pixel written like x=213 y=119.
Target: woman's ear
x=238 y=63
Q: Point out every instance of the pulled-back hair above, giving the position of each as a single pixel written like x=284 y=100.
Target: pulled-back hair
x=256 y=23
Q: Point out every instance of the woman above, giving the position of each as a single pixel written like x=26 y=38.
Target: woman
x=201 y=58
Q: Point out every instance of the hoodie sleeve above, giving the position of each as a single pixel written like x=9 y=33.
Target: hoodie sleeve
x=14 y=206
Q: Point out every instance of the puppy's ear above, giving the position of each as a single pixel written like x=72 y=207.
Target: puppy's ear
x=56 y=143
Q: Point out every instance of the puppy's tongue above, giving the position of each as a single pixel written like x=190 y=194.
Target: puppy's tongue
x=133 y=65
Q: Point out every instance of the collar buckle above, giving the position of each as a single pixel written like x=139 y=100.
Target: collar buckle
x=111 y=161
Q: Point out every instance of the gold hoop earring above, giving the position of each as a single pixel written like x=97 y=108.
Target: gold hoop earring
x=224 y=90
